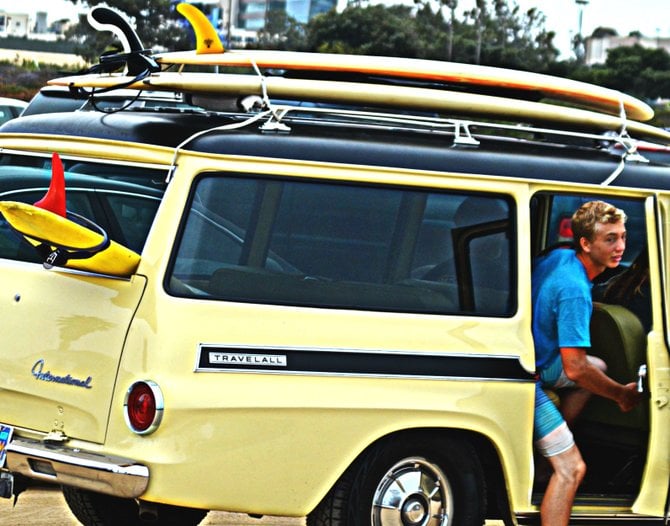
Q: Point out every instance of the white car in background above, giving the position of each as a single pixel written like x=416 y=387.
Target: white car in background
x=10 y=108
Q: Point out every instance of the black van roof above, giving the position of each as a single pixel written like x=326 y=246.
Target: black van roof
x=583 y=159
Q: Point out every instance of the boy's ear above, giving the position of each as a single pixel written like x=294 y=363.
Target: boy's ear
x=584 y=244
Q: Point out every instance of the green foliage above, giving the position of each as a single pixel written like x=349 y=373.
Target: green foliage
x=374 y=30
x=281 y=32
x=602 y=32
x=641 y=72
x=496 y=33
x=22 y=81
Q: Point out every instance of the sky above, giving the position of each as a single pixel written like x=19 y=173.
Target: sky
x=650 y=17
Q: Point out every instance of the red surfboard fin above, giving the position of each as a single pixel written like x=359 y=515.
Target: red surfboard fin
x=54 y=199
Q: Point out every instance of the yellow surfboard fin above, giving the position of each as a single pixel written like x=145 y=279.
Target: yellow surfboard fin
x=206 y=38
x=43 y=227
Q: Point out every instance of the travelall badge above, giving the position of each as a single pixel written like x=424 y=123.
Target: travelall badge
x=263 y=360
x=232 y=358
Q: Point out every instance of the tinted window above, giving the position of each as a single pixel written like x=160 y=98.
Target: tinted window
x=130 y=217
x=12 y=245
x=345 y=246
x=125 y=210
x=10 y=111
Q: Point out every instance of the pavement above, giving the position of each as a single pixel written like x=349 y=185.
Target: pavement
x=45 y=506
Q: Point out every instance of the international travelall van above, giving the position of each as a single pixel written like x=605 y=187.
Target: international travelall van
x=316 y=305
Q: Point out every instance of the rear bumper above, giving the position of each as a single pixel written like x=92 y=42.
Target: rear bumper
x=118 y=476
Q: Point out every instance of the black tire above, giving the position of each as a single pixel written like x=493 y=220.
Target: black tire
x=447 y=468
x=97 y=509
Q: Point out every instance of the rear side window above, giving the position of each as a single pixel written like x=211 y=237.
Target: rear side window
x=12 y=246
x=123 y=200
x=131 y=216
x=345 y=246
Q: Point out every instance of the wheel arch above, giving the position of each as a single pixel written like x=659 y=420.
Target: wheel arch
x=498 y=504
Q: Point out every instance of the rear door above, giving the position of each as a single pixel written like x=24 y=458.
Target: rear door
x=63 y=331
x=62 y=337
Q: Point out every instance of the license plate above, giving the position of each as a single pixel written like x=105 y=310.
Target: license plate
x=5 y=437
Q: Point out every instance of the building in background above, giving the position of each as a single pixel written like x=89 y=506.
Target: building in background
x=597 y=47
x=14 y=24
x=37 y=27
x=241 y=19
x=41 y=25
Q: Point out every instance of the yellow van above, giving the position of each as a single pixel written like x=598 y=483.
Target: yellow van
x=329 y=313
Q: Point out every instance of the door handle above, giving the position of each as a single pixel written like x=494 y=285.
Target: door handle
x=641 y=377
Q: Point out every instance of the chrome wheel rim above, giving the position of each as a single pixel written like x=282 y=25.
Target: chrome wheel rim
x=414 y=492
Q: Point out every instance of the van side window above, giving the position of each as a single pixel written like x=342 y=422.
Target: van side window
x=346 y=246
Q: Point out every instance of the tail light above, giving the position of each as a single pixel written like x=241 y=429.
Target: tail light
x=143 y=407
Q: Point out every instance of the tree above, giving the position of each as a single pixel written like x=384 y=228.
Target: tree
x=374 y=30
x=433 y=34
x=281 y=32
x=452 y=5
x=638 y=71
x=493 y=33
x=497 y=32
x=156 y=22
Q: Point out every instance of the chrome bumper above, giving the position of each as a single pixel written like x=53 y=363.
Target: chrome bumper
x=118 y=476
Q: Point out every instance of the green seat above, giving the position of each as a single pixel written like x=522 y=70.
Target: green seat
x=617 y=336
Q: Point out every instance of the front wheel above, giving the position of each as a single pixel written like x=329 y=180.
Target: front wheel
x=414 y=480
x=96 y=509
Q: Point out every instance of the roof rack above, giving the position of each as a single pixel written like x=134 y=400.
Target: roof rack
x=461 y=130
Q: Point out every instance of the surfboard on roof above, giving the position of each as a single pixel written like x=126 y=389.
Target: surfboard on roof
x=446 y=88
x=515 y=84
x=369 y=95
x=510 y=83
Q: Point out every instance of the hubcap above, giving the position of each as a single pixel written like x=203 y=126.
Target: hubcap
x=414 y=492
x=414 y=510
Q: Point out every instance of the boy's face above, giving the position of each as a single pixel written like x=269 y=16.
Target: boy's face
x=606 y=248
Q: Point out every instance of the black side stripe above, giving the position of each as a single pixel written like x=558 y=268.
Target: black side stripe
x=358 y=363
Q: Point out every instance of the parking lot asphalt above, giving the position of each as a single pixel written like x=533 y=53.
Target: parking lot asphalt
x=45 y=506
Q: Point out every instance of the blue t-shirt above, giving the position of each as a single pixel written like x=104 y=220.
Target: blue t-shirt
x=562 y=305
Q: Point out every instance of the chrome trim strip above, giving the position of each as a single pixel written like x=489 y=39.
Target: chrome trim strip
x=321 y=361
x=117 y=476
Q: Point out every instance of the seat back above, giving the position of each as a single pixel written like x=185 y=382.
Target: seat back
x=617 y=336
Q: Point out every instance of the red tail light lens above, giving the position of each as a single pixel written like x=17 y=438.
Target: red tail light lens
x=143 y=407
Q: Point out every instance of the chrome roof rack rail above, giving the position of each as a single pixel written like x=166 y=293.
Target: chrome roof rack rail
x=461 y=129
